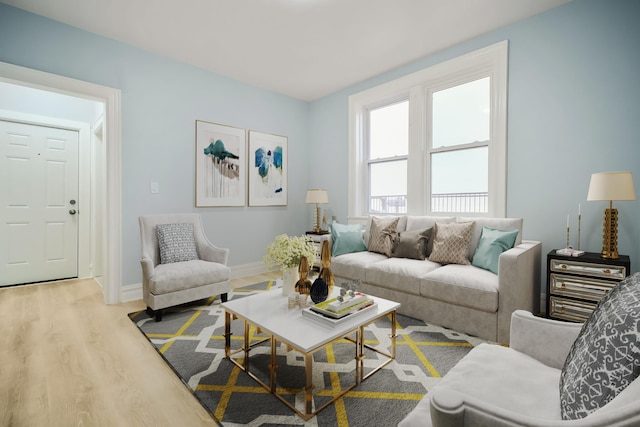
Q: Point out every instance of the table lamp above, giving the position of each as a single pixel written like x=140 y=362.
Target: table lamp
x=611 y=186
x=317 y=196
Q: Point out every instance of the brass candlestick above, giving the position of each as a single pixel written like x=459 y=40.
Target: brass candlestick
x=579 y=218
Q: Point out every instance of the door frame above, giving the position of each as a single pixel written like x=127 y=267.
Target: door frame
x=112 y=130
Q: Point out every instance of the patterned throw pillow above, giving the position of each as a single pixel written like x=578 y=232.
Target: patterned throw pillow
x=176 y=242
x=605 y=358
x=451 y=243
x=382 y=234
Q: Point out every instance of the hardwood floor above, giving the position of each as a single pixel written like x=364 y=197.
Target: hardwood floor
x=68 y=359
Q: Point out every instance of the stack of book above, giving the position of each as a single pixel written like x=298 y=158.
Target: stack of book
x=333 y=311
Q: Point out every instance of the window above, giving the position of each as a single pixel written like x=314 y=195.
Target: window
x=459 y=151
x=432 y=142
x=388 y=147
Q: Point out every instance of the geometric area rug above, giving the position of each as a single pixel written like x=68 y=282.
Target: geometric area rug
x=190 y=339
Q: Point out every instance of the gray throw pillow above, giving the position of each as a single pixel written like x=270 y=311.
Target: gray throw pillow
x=411 y=244
x=176 y=242
x=605 y=358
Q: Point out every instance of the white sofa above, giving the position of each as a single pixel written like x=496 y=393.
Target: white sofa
x=461 y=297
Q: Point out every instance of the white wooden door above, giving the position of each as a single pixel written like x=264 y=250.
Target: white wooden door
x=38 y=203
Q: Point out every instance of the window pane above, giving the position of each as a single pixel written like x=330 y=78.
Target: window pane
x=468 y=104
x=459 y=181
x=389 y=131
x=388 y=187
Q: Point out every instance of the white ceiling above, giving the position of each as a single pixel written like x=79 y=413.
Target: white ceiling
x=301 y=48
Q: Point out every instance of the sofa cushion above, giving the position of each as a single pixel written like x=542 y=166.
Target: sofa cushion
x=492 y=243
x=382 y=234
x=605 y=357
x=168 y=278
x=346 y=239
x=411 y=244
x=415 y=222
x=451 y=243
x=352 y=266
x=400 y=274
x=176 y=242
x=463 y=285
x=499 y=223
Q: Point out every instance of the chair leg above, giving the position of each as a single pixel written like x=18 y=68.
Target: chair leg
x=223 y=297
x=155 y=313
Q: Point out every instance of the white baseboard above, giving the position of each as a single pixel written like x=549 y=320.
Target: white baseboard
x=250 y=269
x=131 y=292
x=134 y=292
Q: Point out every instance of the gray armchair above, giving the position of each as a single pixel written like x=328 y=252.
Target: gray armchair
x=519 y=386
x=179 y=264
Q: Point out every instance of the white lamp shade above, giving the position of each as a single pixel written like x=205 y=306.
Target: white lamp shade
x=611 y=186
x=317 y=196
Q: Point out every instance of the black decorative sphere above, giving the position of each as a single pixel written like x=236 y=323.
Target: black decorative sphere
x=319 y=290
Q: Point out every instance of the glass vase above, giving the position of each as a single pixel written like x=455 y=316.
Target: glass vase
x=289 y=279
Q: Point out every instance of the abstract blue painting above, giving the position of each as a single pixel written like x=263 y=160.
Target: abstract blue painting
x=268 y=169
x=220 y=165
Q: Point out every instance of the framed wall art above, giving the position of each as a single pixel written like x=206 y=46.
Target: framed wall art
x=267 y=169
x=220 y=165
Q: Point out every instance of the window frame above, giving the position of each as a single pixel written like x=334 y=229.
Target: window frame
x=418 y=87
x=366 y=145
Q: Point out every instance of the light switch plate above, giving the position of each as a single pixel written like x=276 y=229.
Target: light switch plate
x=155 y=188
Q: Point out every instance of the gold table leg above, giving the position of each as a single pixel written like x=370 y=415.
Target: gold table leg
x=308 y=361
x=227 y=334
x=273 y=366
x=308 y=389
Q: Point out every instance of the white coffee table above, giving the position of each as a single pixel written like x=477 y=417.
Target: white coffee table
x=269 y=313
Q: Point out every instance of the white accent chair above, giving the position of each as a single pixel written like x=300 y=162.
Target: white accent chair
x=517 y=386
x=172 y=284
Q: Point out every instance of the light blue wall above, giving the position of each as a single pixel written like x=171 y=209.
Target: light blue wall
x=574 y=109
x=161 y=100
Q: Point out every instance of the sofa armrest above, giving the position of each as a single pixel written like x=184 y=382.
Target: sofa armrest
x=147 y=267
x=518 y=284
x=546 y=340
x=210 y=252
x=450 y=408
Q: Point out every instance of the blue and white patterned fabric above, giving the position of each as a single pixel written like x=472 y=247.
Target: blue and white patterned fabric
x=176 y=242
x=605 y=358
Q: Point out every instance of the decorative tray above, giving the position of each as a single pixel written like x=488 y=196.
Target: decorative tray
x=337 y=308
x=330 y=321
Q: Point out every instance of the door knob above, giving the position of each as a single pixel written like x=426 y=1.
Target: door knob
x=72 y=211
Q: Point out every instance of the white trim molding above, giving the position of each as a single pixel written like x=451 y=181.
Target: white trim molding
x=418 y=87
x=111 y=98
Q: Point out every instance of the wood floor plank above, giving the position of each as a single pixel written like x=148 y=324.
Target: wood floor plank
x=67 y=359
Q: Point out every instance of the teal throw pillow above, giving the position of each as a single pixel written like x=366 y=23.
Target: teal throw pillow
x=492 y=243
x=346 y=239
